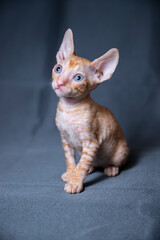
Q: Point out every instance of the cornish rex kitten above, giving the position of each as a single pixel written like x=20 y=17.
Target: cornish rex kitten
x=84 y=125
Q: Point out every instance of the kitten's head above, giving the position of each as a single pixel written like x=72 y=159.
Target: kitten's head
x=74 y=76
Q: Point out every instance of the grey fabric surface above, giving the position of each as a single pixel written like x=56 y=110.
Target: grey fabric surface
x=33 y=204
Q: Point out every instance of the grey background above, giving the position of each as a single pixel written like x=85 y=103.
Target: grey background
x=33 y=204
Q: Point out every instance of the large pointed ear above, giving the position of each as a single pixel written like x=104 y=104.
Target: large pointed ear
x=67 y=46
x=105 y=65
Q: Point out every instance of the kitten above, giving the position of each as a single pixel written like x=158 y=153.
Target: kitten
x=84 y=125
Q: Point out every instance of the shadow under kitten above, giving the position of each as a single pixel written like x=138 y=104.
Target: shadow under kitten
x=133 y=160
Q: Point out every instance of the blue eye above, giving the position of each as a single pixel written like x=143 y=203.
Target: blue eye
x=78 y=77
x=58 y=69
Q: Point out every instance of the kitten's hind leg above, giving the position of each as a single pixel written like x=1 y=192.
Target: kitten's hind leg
x=119 y=159
x=120 y=156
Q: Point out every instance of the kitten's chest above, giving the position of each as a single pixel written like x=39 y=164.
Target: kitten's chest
x=70 y=127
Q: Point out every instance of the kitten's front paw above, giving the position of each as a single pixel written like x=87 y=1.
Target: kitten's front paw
x=73 y=187
x=66 y=176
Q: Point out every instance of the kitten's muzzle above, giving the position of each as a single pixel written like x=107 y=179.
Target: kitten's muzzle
x=59 y=84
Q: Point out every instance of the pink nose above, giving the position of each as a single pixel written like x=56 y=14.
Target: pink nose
x=59 y=84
